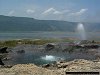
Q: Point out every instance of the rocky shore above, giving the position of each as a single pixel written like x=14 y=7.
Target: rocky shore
x=23 y=58
x=59 y=68
x=77 y=65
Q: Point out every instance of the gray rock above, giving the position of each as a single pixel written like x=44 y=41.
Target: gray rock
x=20 y=51
x=4 y=50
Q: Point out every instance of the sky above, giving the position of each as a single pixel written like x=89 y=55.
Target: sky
x=67 y=10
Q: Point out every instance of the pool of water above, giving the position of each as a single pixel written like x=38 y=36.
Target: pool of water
x=40 y=58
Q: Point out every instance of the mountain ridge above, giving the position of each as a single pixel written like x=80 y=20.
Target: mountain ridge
x=12 y=23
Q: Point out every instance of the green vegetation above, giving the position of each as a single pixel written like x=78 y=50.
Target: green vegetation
x=12 y=43
x=71 y=40
x=9 y=43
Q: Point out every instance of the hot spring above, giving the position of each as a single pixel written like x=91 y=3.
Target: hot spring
x=51 y=58
x=41 y=58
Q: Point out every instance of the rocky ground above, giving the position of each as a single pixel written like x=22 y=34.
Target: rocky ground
x=27 y=69
x=77 y=65
x=59 y=68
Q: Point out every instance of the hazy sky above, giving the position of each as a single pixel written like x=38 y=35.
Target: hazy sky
x=68 y=10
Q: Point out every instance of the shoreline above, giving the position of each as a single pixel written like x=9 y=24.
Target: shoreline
x=77 y=65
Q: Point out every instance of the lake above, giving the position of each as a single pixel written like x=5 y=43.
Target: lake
x=39 y=35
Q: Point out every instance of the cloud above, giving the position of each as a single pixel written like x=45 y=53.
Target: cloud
x=11 y=13
x=82 y=11
x=54 y=14
x=54 y=11
x=69 y=15
x=48 y=11
x=30 y=11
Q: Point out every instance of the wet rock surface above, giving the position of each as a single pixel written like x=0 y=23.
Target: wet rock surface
x=20 y=51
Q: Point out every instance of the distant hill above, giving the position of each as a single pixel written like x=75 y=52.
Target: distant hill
x=8 y=23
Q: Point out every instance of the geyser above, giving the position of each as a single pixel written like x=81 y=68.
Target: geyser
x=81 y=31
x=51 y=58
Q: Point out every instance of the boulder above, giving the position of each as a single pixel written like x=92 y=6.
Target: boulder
x=97 y=55
x=50 y=46
x=1 y=63
x=20 y=51
x=4 y=50
x=6 y=58
x=46 y=65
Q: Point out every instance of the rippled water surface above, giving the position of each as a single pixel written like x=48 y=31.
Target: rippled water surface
x=38 y=35
x=43 y=57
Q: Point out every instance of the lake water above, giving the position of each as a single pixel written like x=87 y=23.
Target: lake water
x=39 y=35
